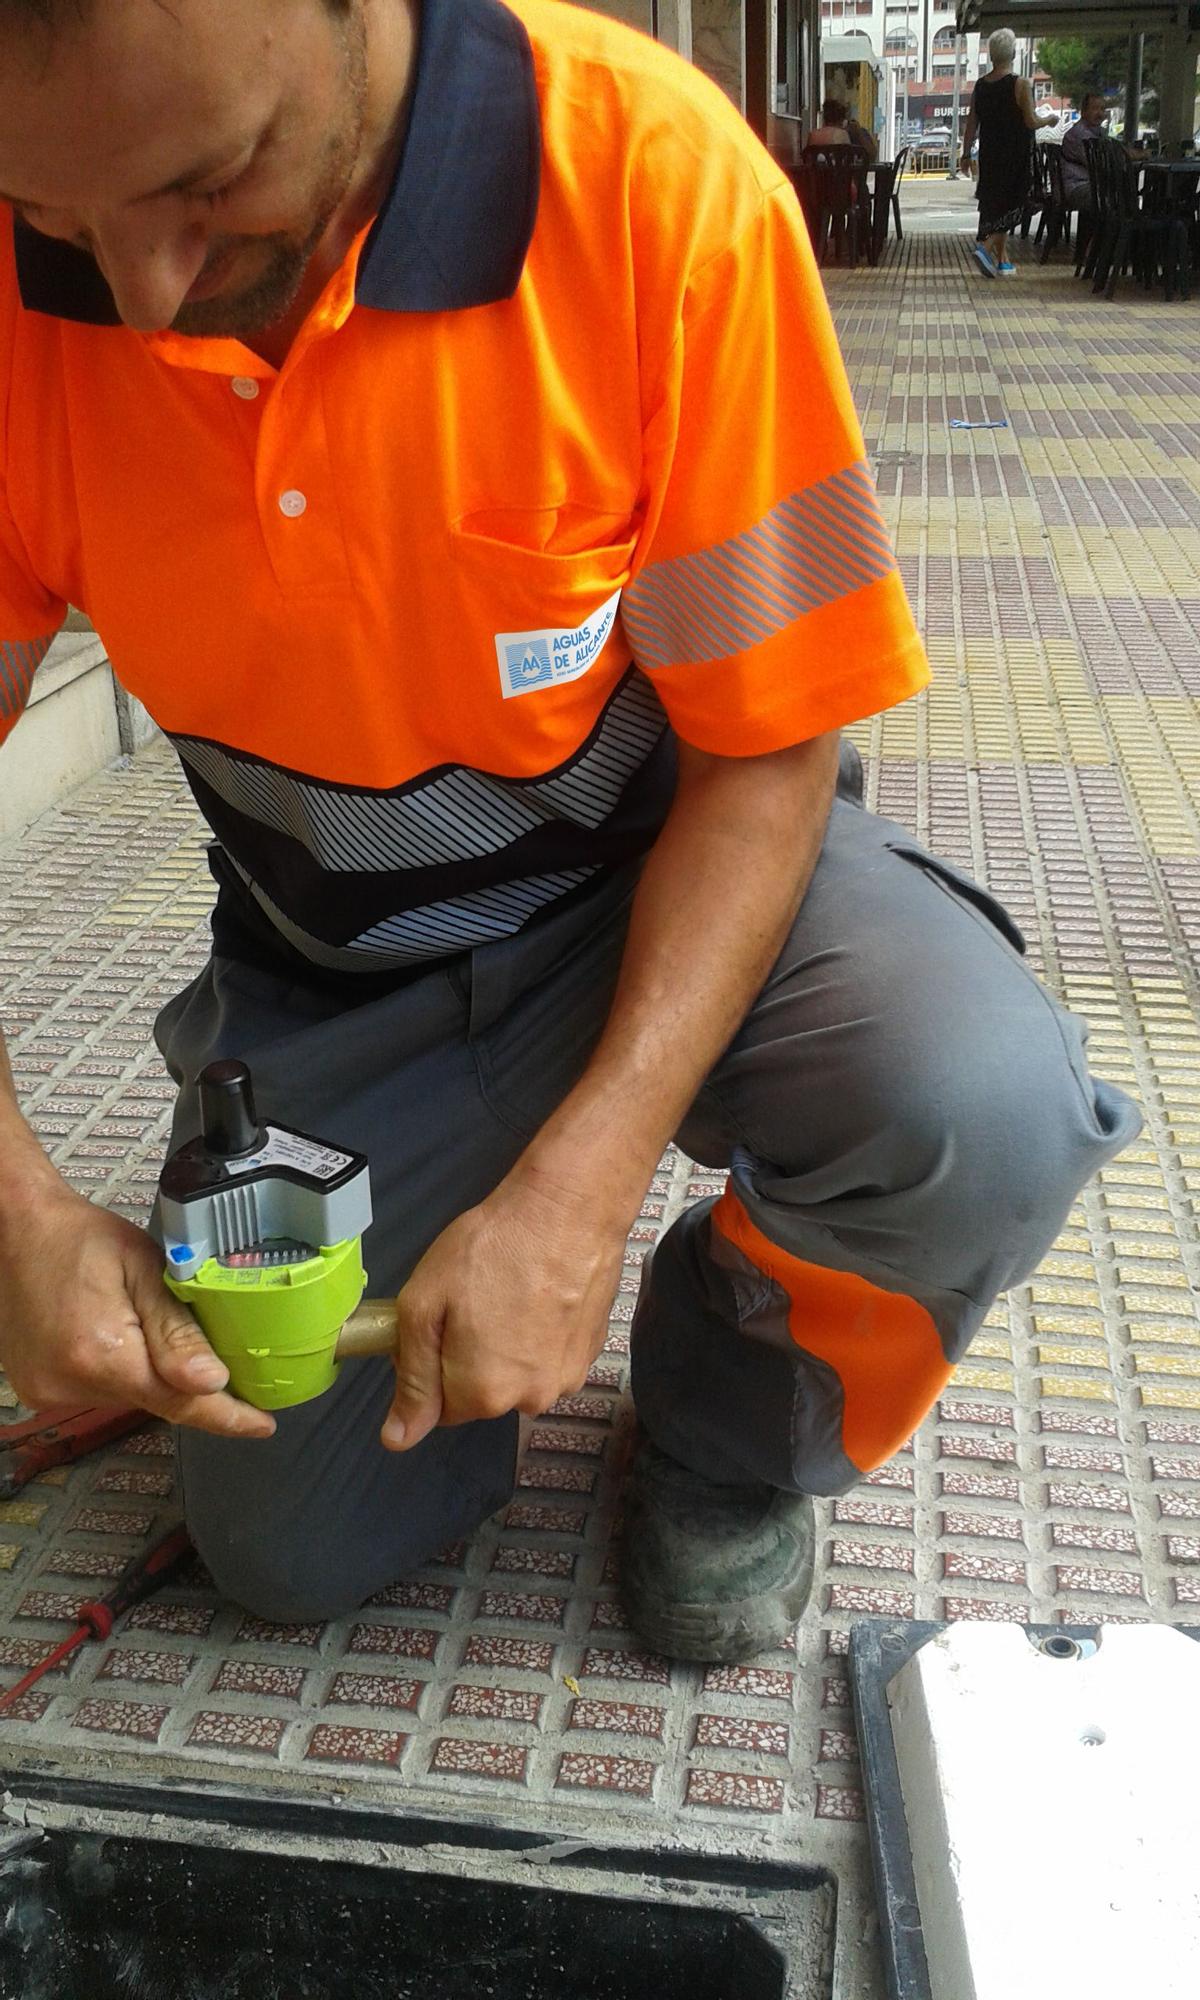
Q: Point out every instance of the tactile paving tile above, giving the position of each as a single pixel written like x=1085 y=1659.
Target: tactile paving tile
x=1055 y=566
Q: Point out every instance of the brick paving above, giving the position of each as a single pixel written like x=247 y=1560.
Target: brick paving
x=1055 y=567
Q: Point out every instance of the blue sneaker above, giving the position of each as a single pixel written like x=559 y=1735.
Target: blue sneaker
x=986 y=262
x=1006 y=270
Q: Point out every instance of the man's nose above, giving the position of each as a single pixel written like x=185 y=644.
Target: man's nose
x=150 y=270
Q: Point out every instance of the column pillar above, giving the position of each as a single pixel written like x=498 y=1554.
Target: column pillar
x=674 y=25
x=1133 y=90
x=1177 y=84
x=758 y=93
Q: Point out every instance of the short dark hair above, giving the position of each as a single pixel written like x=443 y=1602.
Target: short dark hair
x=833 y=112
x=1092 y=97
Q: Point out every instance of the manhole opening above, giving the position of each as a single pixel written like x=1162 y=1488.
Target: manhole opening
x=93 y=1912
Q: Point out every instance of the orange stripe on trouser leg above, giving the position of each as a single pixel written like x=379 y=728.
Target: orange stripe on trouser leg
x=883 y=1346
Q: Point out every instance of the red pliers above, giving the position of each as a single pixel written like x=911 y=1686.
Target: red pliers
x=57 y=1437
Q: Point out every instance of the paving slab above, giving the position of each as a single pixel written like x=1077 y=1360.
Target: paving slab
x=1055 y=567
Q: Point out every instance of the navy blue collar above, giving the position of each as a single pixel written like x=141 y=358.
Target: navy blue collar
x=457 y=223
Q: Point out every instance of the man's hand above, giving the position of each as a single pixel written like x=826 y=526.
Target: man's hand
x=507 y=1310
x=85 y=1318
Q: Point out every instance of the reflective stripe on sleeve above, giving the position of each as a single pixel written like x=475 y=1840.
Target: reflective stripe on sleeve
x=816 y=546
x=19 y=661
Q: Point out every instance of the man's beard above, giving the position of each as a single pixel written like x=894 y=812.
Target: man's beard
x=236 y=315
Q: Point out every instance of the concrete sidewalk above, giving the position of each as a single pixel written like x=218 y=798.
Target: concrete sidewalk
x=1055 y=566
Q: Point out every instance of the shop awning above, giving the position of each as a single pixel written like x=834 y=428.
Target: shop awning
x=1069 y=17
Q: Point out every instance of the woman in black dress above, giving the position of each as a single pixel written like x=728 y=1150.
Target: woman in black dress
x=1003 y=116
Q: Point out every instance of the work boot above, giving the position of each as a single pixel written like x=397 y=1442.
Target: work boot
x=851 y=781
x=708 y=1572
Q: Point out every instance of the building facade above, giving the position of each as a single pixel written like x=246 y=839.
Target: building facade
x=927 y=69
x=916 y=37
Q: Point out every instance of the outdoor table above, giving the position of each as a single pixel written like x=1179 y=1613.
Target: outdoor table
x=877 y=205
x=1178 y=180
x=1172 y=167
x=1170 y=188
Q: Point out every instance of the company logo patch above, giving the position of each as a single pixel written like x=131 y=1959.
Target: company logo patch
x=532 y=660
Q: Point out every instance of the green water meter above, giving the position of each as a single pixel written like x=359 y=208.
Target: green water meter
x=262 y=1231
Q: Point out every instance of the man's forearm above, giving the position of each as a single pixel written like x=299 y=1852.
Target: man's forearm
x=24 y=1166
x=715 y=902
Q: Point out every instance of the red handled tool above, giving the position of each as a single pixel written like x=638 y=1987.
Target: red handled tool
x=139 y=1579
x=56 y=1437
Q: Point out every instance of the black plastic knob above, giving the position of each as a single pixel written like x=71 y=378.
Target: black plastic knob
x=227 y=1113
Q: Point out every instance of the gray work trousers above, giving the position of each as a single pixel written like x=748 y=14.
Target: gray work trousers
x=908 y=1116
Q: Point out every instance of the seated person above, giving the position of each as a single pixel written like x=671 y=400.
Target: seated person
x=832 y=131
x=864 y=142
x=1079 y=137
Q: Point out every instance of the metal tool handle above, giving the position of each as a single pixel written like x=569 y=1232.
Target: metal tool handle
x=370 y=1329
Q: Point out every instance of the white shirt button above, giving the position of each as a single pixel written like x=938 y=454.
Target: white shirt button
x=292 y=503
x=244 y=386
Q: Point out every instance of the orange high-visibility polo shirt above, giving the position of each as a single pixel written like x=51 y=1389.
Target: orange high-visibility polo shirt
x=563 y=461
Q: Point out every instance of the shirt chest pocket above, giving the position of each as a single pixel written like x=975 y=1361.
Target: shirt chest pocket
x=545 y=566
x=541 y=586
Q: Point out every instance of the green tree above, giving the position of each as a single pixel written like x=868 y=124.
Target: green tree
x=1076 y=64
